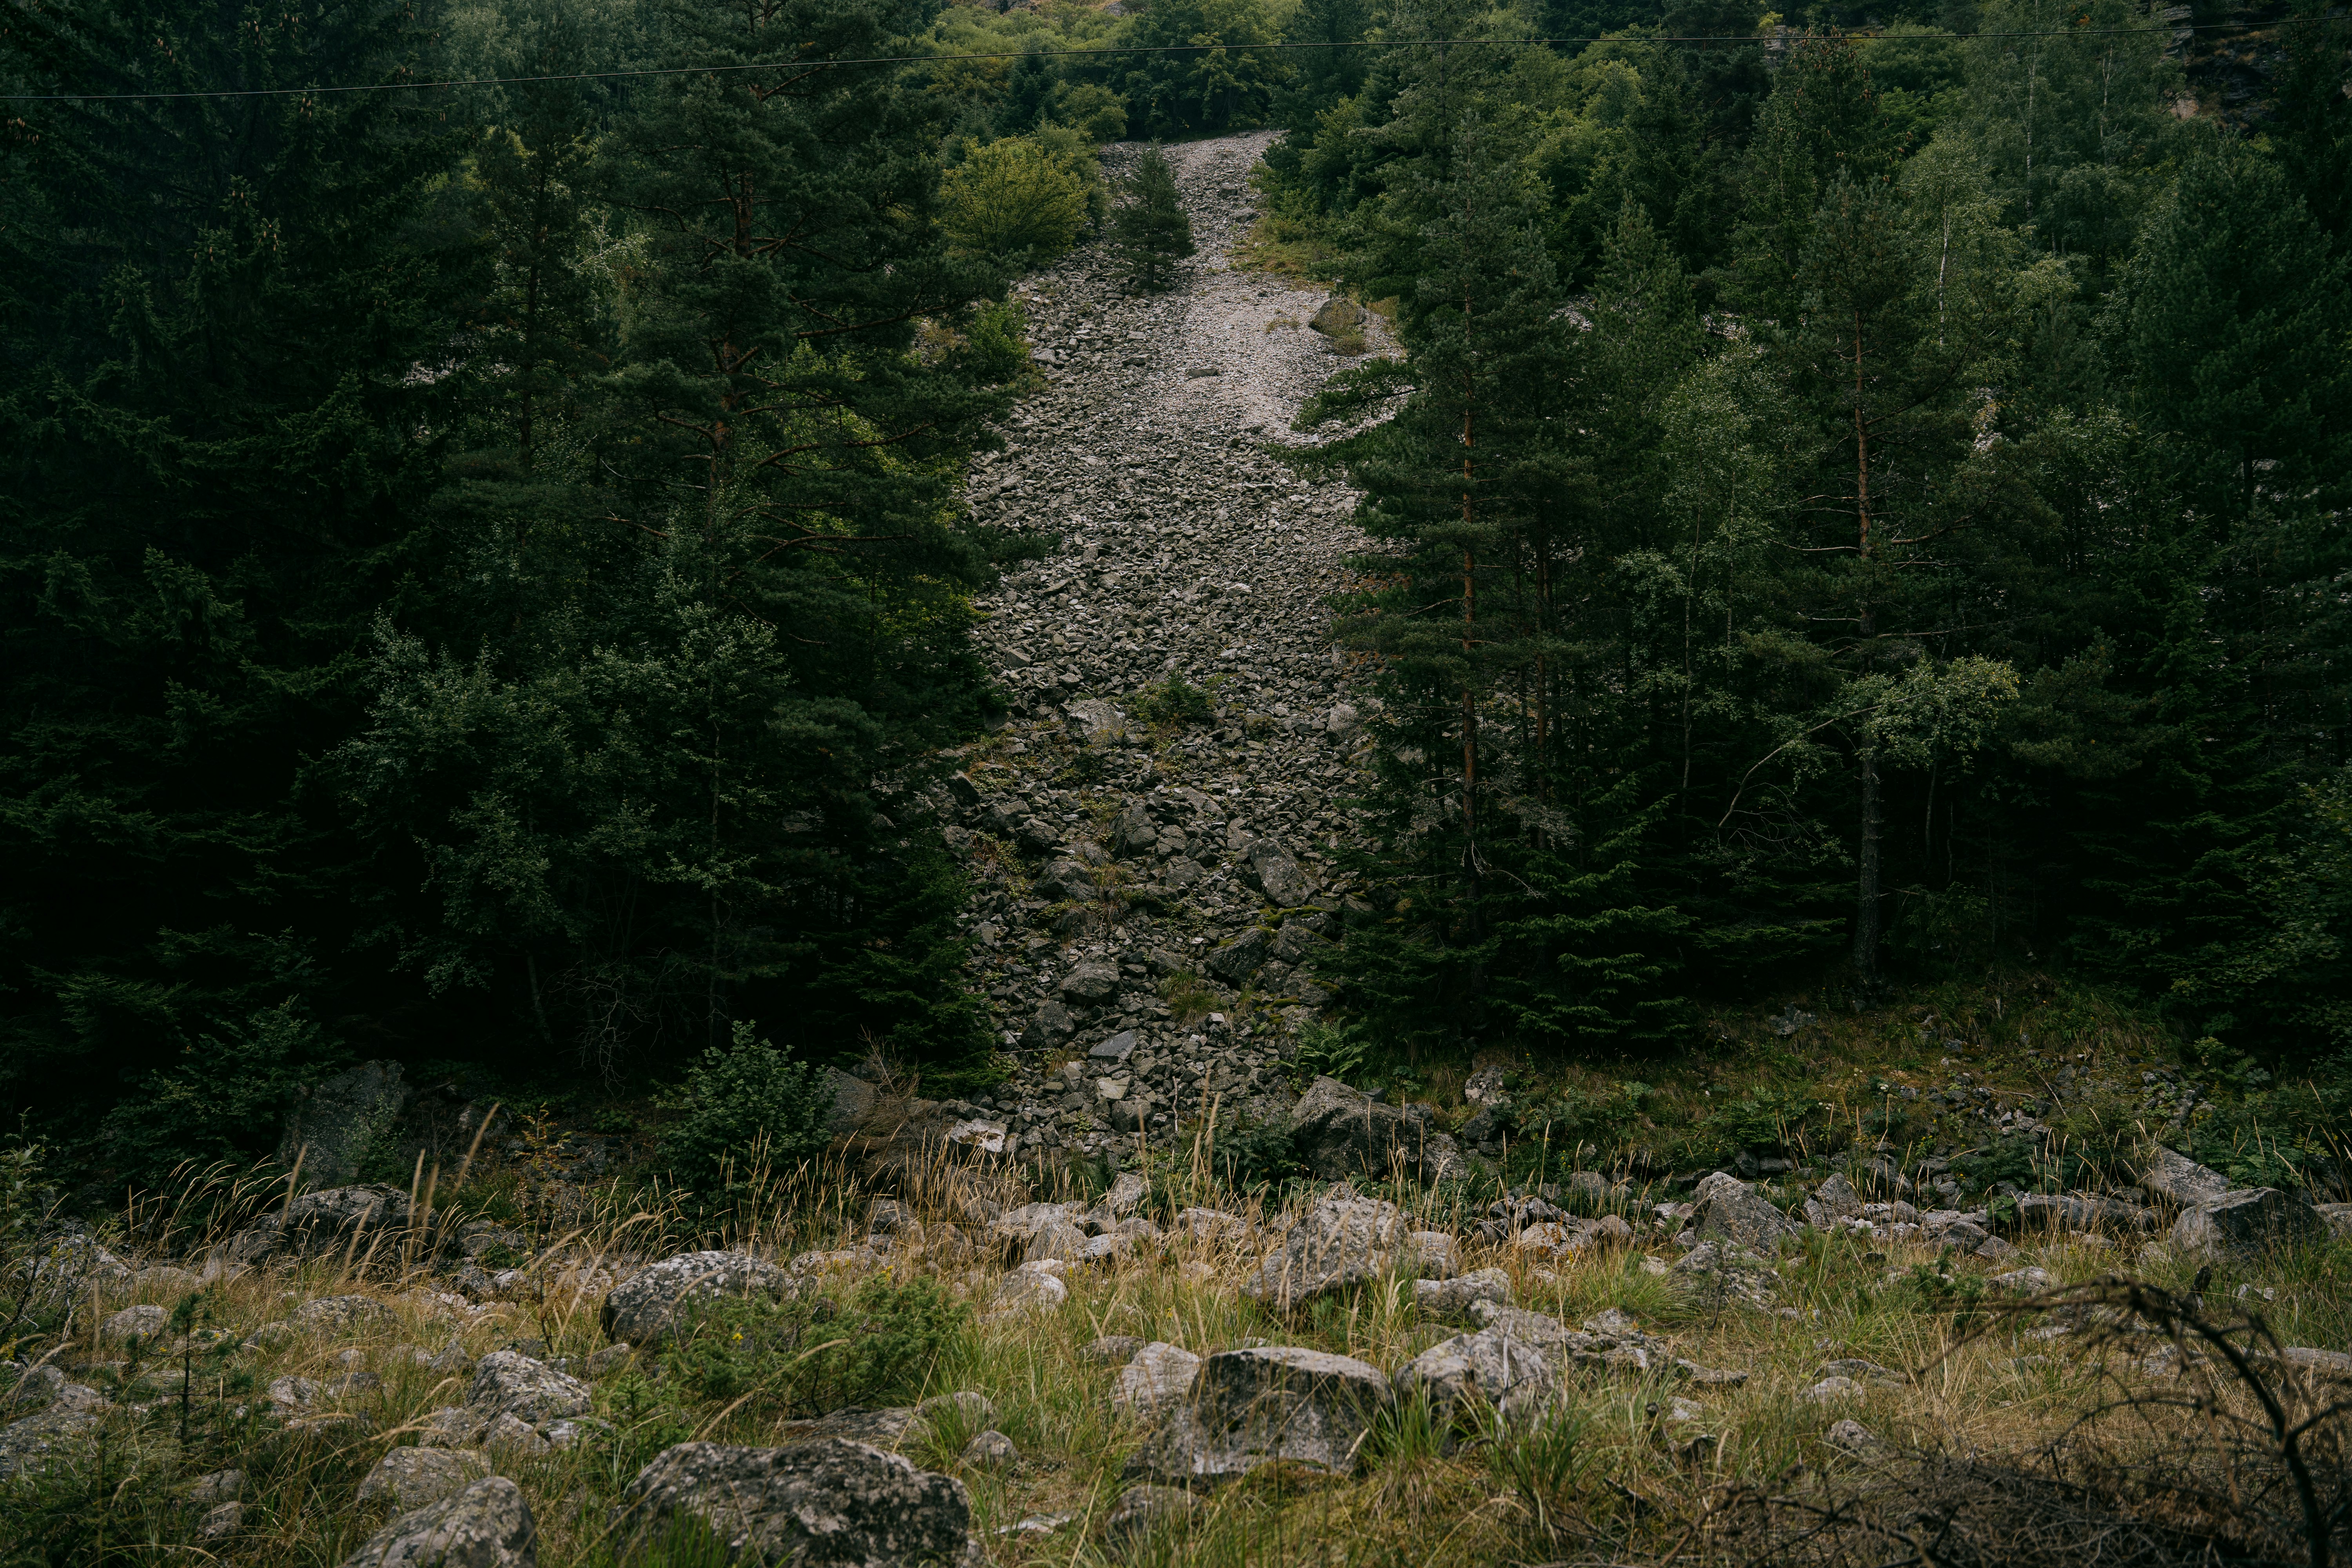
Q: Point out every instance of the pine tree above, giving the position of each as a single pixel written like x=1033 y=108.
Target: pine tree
x=1150 y=229
x=215 y=447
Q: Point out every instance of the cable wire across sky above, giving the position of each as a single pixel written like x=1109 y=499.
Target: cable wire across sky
x=811 y=62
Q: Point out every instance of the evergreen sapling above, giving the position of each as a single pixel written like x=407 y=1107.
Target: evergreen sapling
x=1149 y=230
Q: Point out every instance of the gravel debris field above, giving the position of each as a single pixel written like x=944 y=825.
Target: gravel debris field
x=1186 y=551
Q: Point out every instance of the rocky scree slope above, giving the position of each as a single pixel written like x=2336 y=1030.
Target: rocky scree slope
x=1106 y=857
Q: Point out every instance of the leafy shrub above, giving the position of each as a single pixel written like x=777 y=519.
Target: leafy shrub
x=1249 y=1156
x=1174 y=700
x=1011 y=197
x=996 y=342
x=1328 y=1050
x=2007 y=1160
x=746 y=1108
x=809 y=1355
x=225 y=1098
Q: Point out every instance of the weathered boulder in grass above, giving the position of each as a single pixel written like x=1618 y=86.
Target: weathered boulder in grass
x=1155 y=1377
x=336 y=1126
x=656 y=1302
x=1492 y=1368
x=509 y=1382
x=1343 y=1241
x=1726 y=1209
x=1832 y=1202
x=2181 y=1181
x=1452 y=1300
x=2248 y=1223
x=67 y=1427
x=1251 y=1407
x=410 y=1478
x=837 y=1503
x=1720 y=1272
x=1342 y=1132
x=487 y=1525
x=1339 y=316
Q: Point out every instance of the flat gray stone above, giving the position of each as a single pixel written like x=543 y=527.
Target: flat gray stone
x=656 y=1302
x=411 y=1479
x=837 y=1503
x=509 y=1382
x=485 y=1525
x=1252 y=1406
x=2247 y=1225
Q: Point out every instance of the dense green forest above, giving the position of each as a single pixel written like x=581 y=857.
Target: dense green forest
x=480 y=567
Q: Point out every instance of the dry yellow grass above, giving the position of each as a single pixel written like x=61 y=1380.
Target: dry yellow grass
x=1613 y=1477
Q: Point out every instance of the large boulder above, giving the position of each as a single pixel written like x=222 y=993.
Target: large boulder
x=2248 y=1223
x=1342 y=1132
x=1240 y=958
x=1833 y=1203
x=366 y=1222
x=67 y=1426
x=1492 y=1368
x=487 y=1525
x=336 y=1126
x=837 y=1503
x=653 y=1303
x=1274 y=873
x=410 y=1478
x=1249 y=1407
x=1338 y=316
x=2181 y=1181
x=1726 y=1209
x=509 y=1382
x=1157 y=1377
x=1716 y=1273
x=1344 y=1240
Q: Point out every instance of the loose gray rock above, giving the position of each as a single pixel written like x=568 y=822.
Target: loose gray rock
x=2181 y=1181
x=1726 y=1209
x=1154 y=1378
x=1341 y=1133
x=65 y=1428
x=1451 y=1300
x=1142 y=1512
x=336 y=1125
x=1833 y=1200
x=992 y=1450
x=220 y=1521
x=656 y=1302
x=410 y=1478
x=1251 y=1406
x=1278 y=876
x=2248 y=1223
x=487 y=1525
x=1491 y=1368
x=836 y=1503
x=1344 y=1240
x=509 y=1382
x=135 y=1323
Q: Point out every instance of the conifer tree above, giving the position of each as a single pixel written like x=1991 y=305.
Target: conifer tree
x=1150 y=229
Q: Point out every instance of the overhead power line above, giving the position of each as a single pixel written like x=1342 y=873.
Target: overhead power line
x=804 y=64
